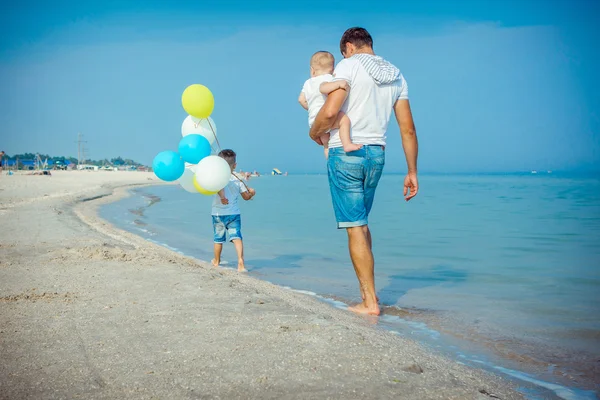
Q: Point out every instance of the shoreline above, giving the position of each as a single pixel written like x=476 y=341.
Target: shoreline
x=425 y=327
x=122 y=317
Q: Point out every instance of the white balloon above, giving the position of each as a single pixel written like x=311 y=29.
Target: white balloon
x=187 y=180
x=193 y=125
x=212 y=173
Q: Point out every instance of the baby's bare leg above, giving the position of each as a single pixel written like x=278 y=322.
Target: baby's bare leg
x=343 y=124
x=325 y=141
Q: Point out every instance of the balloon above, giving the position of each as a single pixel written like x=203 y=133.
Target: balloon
x=168 y=166
x=187 y=181
x=213 y=173
x=198 y=101
x=199 y=126
x=201 y=189
x=194 y=148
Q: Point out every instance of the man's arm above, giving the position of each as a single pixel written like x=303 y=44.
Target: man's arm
x=302 y=101
x=408 y=133
x=328 y=87
x=327 y=115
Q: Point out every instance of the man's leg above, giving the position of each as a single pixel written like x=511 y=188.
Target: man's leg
x=350 y=206
x=359 y=244
x=370 y=242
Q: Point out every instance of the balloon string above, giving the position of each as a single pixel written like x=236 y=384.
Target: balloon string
x=214 y=134
x=220 y=149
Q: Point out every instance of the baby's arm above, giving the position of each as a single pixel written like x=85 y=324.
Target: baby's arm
x=302 y=101
x=328 y=87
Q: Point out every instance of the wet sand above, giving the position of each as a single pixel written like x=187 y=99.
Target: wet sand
x=91 y=311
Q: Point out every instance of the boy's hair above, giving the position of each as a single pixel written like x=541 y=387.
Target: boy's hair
x=322 y=61
x=229 y=156
x=357 y=36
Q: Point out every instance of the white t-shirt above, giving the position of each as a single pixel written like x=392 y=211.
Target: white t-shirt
x=232 y=192
x=369 y=105
x=314 y=97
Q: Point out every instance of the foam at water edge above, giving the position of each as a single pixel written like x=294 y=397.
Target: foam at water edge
x=167 y=246
x=561 y=391
x=335 y=303
x=150 y=233
x=419 y=327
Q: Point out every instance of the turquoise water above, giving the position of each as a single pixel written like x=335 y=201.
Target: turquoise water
x=500 y=270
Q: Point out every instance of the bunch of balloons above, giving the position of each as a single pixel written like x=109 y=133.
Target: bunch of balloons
x=193 y=165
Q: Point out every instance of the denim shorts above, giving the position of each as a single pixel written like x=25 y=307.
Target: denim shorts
x=227 y=224
x=353 y=178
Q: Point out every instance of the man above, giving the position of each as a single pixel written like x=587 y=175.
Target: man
x=376 y=88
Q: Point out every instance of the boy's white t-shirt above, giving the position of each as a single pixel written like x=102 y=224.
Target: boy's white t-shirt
x=369 y=105
x=232 y=192
x=313 y=95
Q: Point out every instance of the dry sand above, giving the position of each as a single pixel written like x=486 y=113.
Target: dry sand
x=90 y=311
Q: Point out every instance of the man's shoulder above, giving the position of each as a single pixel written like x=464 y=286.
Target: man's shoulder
x=346 y=69
x=349 y=61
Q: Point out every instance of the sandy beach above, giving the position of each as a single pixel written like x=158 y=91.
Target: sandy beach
x=90 y=311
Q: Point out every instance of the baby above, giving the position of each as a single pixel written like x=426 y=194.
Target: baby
x=313 y=97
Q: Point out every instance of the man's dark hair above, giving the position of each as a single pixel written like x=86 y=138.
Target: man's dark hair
x=357 y=36
x=229 y=156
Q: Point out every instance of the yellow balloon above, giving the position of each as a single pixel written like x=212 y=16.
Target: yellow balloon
x=201 y=189
x=198 y=101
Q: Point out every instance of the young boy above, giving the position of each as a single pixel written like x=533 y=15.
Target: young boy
x=313 y=97
x=226 y=213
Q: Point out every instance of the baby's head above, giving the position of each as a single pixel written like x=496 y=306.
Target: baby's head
x=229 y=156
x=321 y=63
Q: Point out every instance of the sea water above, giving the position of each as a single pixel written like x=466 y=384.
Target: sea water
x=497 y=270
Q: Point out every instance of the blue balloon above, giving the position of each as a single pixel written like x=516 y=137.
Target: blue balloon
x=194 y=148
x=168 y=166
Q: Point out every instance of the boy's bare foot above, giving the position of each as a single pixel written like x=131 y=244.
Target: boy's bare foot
x=352 y=147
x=363 y=309
x=215 y=263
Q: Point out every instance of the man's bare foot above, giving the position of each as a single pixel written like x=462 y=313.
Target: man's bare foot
x=241 y=267
x=363 y=309
x=352 y=147
x=215 y=263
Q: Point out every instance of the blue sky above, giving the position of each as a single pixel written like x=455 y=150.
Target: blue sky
x=494 y=85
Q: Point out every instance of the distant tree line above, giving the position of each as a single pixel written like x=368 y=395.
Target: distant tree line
x=117 y=161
